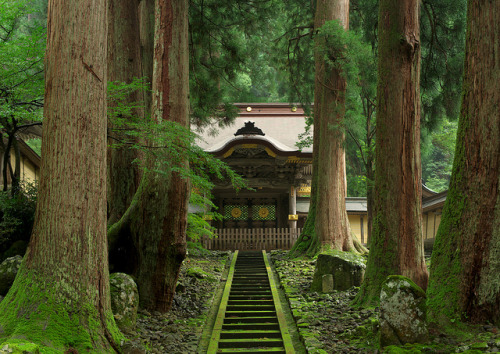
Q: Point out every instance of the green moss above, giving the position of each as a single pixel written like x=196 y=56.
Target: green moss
x=35 y=315
x=446 y=268
x=347 y=256
x=199 y=273
x=20 y=347
x=396 y=350
x=418 y=290
x=381 y=264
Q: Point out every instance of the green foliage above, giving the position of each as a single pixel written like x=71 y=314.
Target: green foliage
x=224 y=37
x=437 y=156
x=17 y=214
x=292 y=50
x=346 y=50
x=442 y=34
x=169 y=144
x=22 y=46
x=35 y=144
x=198 y=221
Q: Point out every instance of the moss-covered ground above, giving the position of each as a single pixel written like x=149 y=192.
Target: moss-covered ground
x=328 y=323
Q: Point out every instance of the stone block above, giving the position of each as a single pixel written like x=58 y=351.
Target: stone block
x=347 y=270
x=402 y=312
x=327 y=280
x=8 y=272
x=124 y=300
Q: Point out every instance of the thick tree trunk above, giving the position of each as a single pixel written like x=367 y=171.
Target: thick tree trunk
x=332 y=225
x=161 y=219
x=465 y=264
x=147 y=29
x=396 y=246
x=123 y=177
x=370 y=171
x=370 y=177
x=124 y=64
x=327 y=225
x=62 y=289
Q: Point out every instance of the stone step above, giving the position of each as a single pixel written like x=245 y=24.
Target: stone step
x=246 y=320
x=250 y=343
x=245 y=334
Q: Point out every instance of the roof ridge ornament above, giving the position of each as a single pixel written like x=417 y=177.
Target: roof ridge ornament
x=249 y=129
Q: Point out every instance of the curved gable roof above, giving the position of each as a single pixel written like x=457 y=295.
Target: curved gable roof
x=272 y=146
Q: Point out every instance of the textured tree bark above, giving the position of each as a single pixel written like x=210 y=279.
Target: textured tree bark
x=60 y=297
x=159 y=225
x=396 y=245
x=147 y=29
x=123 y=177
x=327 y=225
x=370 y=176
x=465 y=263
x=332 y=225
x=124 y=64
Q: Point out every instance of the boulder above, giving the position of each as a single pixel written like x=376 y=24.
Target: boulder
x=8 y=271
x=347 y=269
x=402 y=312
x=124 y=300
x=18 y=248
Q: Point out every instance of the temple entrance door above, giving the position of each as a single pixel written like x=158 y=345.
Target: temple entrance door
x=249 y=213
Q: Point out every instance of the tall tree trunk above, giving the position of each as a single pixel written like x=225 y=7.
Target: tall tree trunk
x=124 y=64
x=370 y=167
x=147 y=31
x=327 y=225
x=465 y=264
x=370 y=177
x=160 y=224
x=60 y=297
x=396 y=246
x=157 y=215
x=123 y=177
x=332 y=225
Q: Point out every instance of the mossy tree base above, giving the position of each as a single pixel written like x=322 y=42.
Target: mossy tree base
x=34 y=316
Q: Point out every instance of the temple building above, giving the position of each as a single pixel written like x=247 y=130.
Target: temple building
x=261 y=146
x=29 y=163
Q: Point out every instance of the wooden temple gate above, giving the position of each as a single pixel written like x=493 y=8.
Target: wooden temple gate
x=252 y=239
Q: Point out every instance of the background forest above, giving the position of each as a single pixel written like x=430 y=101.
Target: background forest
x=264 y=54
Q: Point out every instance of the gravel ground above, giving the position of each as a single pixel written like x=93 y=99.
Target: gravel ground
x=328 y=324
x=179 y=331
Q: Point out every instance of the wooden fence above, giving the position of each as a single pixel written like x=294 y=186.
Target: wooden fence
x=252 y=239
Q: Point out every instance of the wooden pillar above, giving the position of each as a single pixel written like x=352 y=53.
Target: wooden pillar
x=292 y=208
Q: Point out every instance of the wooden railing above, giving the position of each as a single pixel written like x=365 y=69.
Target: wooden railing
x=252 y=239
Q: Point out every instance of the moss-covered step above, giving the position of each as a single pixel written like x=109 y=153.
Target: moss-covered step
x=250 y=334
x=254 y=350
x=250 y=326
x=250 y=343
x=263 y=319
